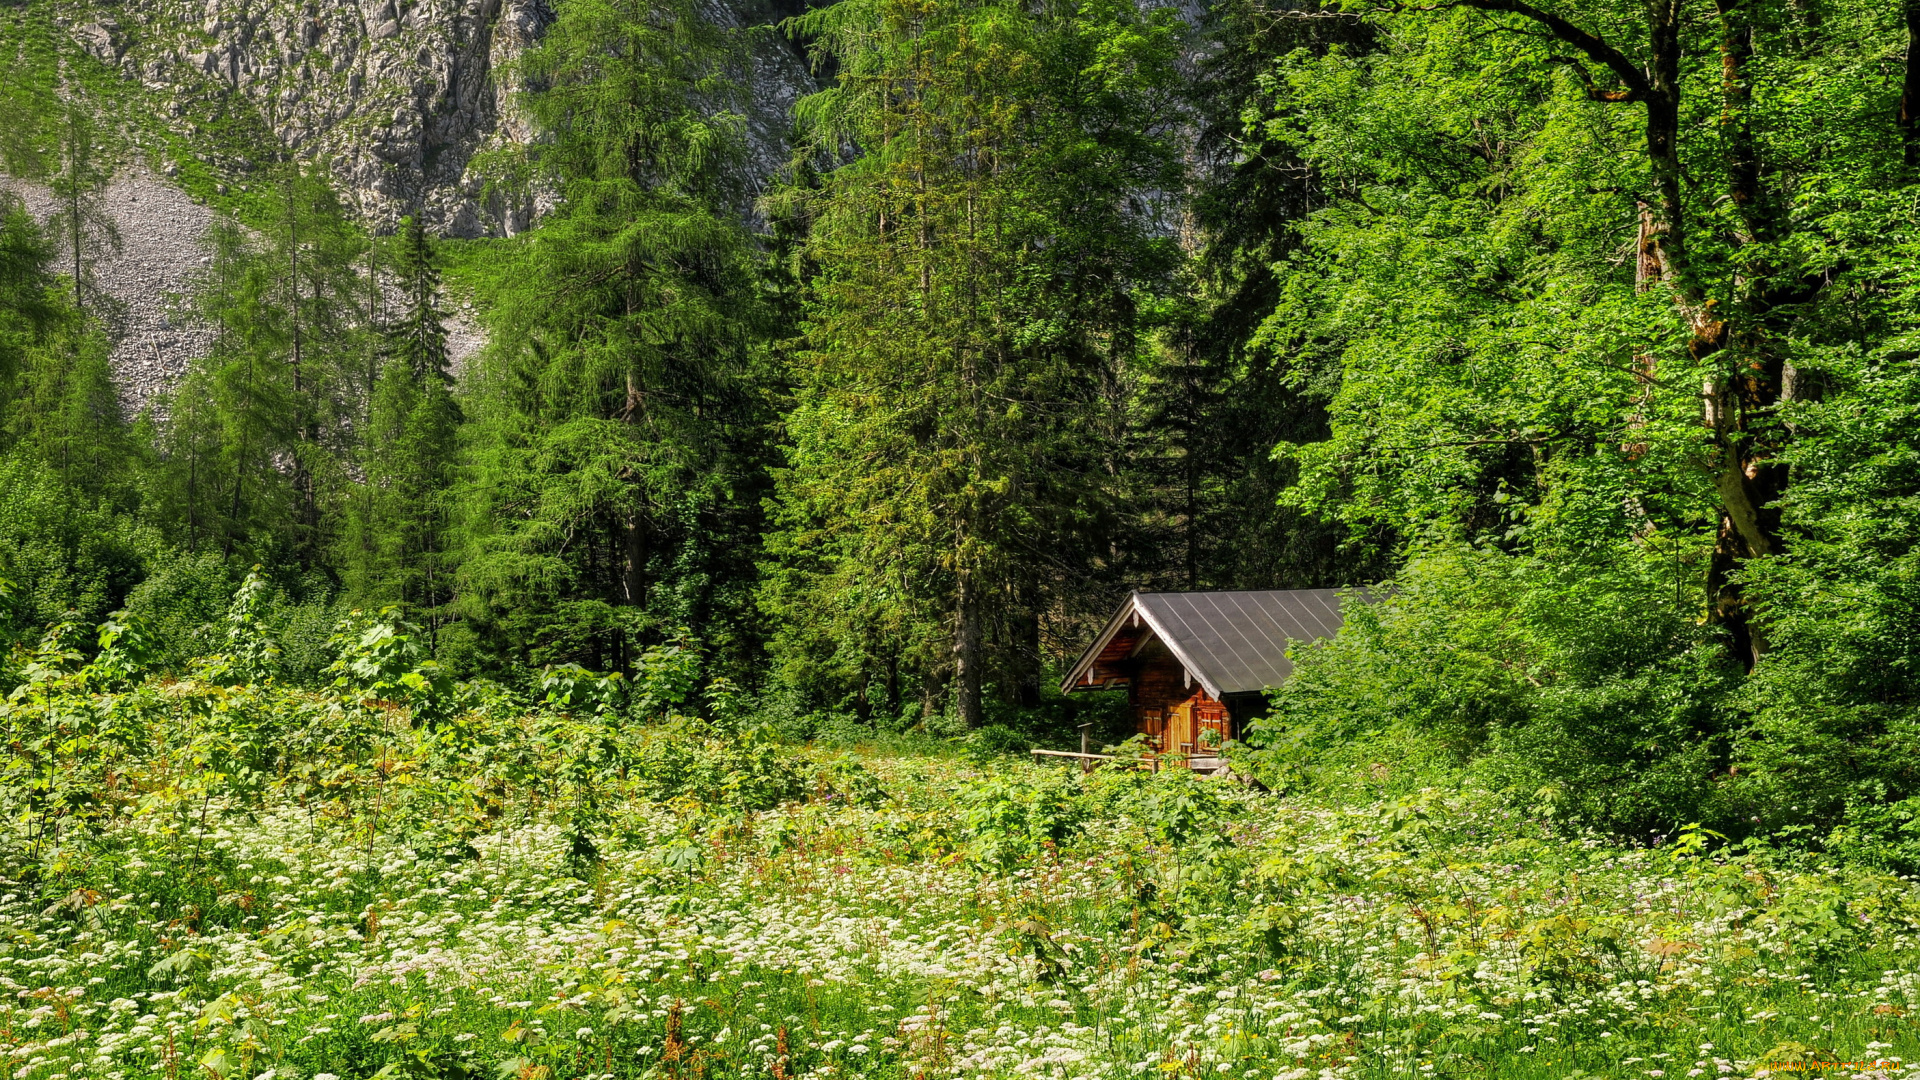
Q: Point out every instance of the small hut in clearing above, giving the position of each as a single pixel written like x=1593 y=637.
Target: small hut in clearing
x=1196 y=665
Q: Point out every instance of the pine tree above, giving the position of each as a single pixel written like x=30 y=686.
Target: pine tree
x=615 y=415
x=315 y=248
x=397 y=546
x=981 y=265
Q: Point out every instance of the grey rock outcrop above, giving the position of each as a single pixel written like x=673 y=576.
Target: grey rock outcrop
x=400 y=99
x=396 y=100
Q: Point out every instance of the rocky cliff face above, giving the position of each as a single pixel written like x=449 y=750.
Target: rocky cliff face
x=396 y=97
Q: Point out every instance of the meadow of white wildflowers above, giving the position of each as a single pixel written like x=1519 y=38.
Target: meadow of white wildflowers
x=533 y=898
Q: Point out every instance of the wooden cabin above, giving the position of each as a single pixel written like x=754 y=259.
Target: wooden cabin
x=1196 y=665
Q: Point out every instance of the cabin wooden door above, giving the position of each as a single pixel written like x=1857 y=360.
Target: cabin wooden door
x=1180 y=731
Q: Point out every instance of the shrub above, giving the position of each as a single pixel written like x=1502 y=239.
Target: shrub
x=1010 y=820
x=1575 y=686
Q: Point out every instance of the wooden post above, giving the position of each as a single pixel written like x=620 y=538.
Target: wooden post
x=1086 y=763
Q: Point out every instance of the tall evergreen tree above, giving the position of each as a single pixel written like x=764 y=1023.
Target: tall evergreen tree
x=258 y=436
x=59 y=405
x=1219 y=392
x=229 y=422
x=616 y=419
x=28 y=310
x=981 y=264
x=81 y=218
x=67 y=455
x=68 y=413
x=396 y=550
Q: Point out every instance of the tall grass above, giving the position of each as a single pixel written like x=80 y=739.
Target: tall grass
x=208 y=880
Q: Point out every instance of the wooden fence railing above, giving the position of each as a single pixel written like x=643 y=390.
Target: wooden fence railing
x=1090 y=762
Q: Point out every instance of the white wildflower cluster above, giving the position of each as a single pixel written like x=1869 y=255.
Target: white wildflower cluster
x=1294 y=942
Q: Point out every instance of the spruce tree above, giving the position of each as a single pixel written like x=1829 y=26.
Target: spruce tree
x=396 y=550
x=615 y=413
x=419 y=336
x=982 y=263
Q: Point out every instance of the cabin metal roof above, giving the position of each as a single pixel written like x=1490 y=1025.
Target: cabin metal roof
x=1231 y=642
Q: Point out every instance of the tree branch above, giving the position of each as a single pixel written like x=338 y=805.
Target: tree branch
x=1595 y=48
x=1594 y=92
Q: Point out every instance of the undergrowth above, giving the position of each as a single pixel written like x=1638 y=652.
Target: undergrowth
x=217 y=876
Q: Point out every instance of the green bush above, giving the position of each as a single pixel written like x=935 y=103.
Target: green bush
x=1013 y=820
x=66 y=553
x=1576 y=686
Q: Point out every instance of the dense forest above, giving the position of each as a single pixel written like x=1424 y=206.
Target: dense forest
x=1588 y=331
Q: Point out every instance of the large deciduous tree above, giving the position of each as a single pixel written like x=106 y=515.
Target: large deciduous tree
x=1587 y=259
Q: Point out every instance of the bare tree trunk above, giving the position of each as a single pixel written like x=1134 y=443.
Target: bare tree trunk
x=633 y=560
x=967 y=653
x=193 y=478
x=240 y=462
x=302 y=467
x=1026 y=623
x=1736 y=120
x=77 y=237
x=933 y=687
x=630 y=563
x=1742 y=399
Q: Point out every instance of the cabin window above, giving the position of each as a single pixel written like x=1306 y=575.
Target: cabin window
x=1211 y=720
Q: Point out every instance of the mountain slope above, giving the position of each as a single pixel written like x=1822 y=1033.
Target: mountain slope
x=397 y=98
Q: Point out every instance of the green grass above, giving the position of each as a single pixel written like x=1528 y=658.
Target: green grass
x=231 y=882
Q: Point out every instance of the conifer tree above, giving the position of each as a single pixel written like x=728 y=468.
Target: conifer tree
x=58 y=402
x=230 y=420
x=68 y=413
x=316 y=249
x=257 y=437
x=981 y=264
x=419 y=336
x=81 y=220
x=615 y=410
x=397 y=545
x=28 y=308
